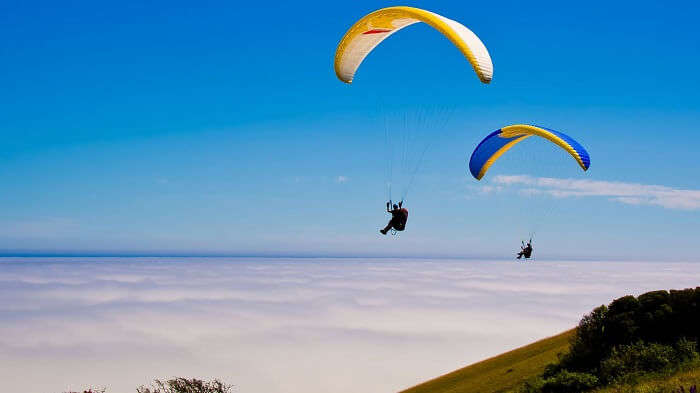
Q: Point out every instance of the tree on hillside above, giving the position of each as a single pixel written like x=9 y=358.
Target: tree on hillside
x=631 y=336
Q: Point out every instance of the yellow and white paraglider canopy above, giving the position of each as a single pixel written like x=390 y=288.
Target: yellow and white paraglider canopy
x=375 y=27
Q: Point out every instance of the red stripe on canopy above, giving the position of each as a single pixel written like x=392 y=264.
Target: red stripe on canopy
x=377 y=31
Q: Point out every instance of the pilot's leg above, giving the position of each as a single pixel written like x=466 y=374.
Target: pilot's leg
x=386 y=228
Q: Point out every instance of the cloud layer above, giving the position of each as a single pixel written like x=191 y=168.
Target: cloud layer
x=628 y=193
x=289 y=325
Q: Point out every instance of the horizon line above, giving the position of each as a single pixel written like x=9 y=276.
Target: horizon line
x=167 y=254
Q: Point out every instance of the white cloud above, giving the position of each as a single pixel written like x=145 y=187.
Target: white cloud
x=490 y=189
x=628 y=193
x=289 y=325
x=341 y=179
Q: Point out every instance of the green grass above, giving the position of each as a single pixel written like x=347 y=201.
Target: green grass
x=502 y=373
x=660 y=383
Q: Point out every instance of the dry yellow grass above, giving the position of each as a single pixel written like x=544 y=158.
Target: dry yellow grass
x=502 y=373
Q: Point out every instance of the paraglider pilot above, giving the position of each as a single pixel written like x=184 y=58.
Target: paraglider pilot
x=399 y=216
x=525 y=250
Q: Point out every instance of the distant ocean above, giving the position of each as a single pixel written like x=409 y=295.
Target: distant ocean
x=289 y=325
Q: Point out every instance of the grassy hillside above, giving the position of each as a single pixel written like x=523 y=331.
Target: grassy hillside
x=501 y=373
x=644 y=344
x=660 y=383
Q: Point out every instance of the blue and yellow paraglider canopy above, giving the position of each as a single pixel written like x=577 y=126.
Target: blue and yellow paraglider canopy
x=501 y=140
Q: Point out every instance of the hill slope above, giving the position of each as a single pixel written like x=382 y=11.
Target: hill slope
x=660 y=383
x=500 y=373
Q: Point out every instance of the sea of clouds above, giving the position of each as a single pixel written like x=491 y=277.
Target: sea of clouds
x=289 y=325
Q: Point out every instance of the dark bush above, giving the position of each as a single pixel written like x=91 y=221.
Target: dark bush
x=184 y=385
x=655 y=317
x=569 y=382
x=589 y=344
x=621 y=325
x=685 y=312
x=636 y=358
x=532 y=386
x=552 y=369
x=685 y=351
x=92 y=390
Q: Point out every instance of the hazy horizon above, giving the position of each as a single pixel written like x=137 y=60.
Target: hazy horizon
x=82 y=255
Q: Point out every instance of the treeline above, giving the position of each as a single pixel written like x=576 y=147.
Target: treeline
x=657 y=331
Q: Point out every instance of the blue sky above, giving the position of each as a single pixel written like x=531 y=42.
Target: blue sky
x=220 y=128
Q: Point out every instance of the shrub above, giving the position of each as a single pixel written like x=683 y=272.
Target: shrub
x=568 y=382
x=184 y=385
x=685 y=312
x=636 y=358
x=552 y=369
x=588 y=346
x=92 y=390
x=621 y=326
x=532 y=386
x=685 y=351
x=655 y=317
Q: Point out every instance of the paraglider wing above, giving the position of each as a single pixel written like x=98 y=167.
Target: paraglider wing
x=375 y=27
x=500 y=141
